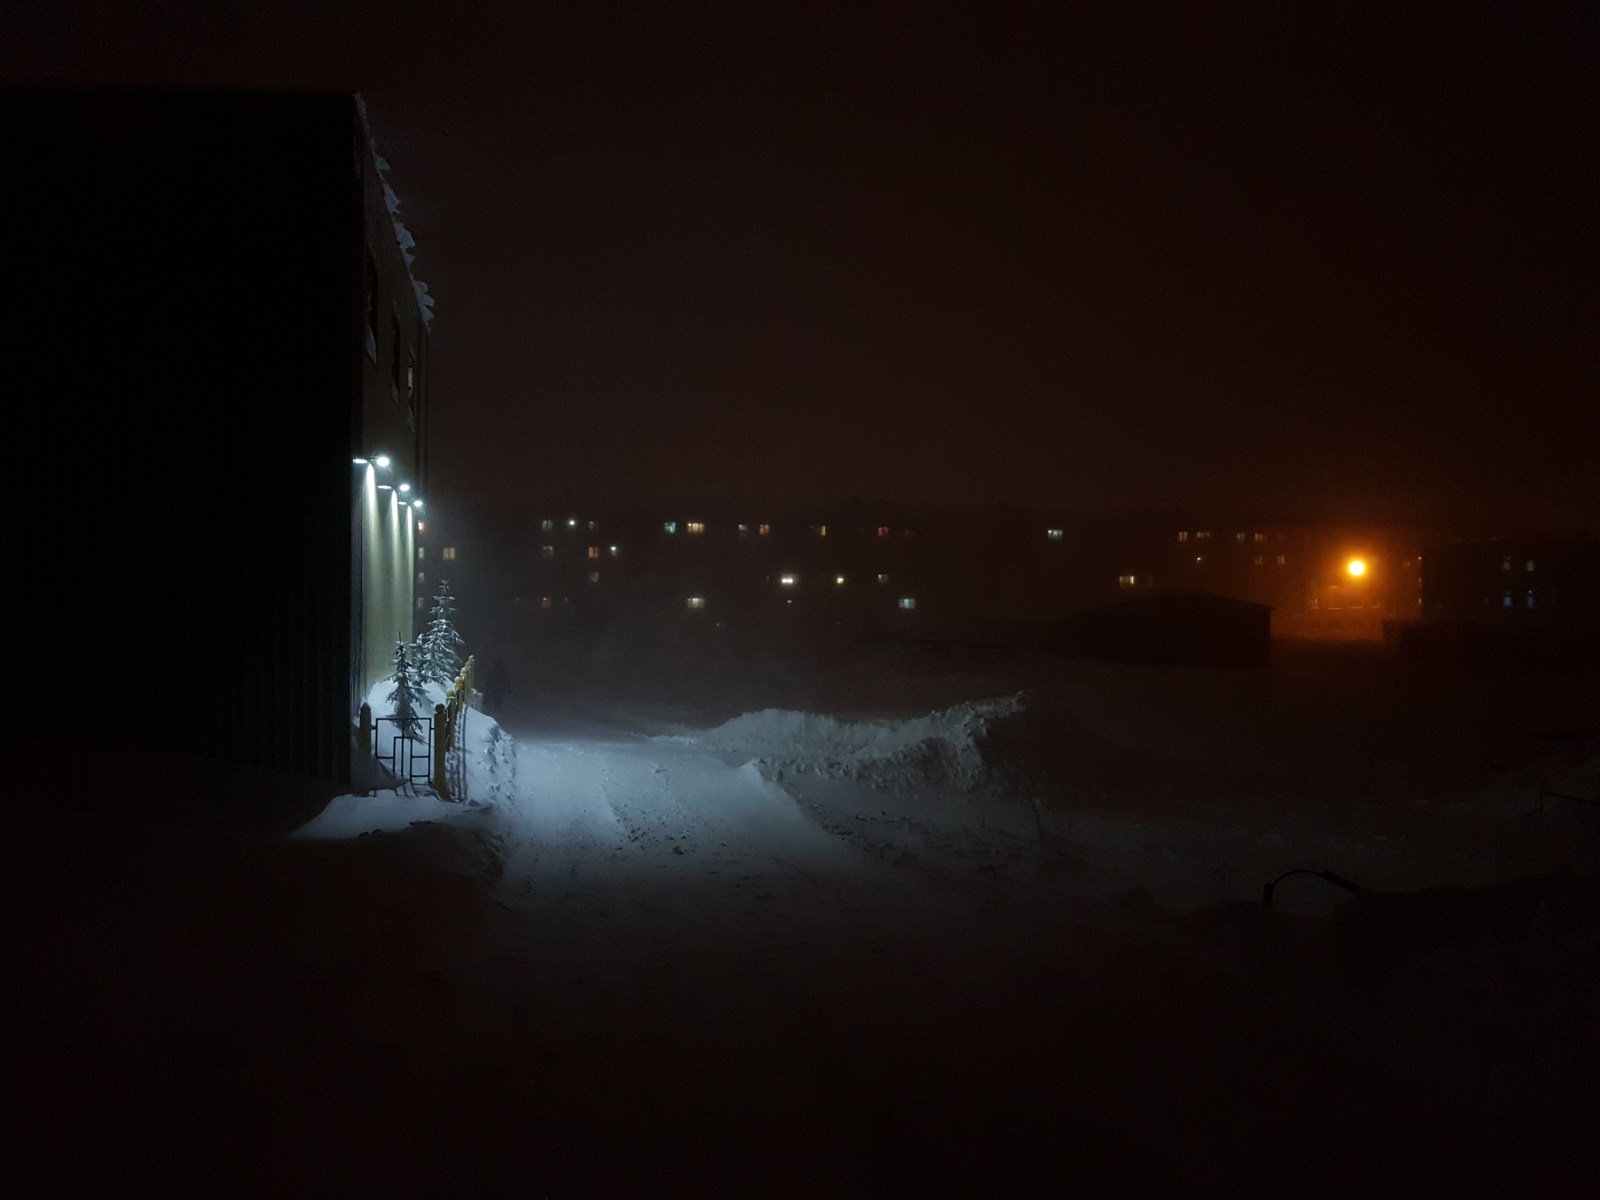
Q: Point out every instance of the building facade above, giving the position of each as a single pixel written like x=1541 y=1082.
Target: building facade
x=881 y=567
x=223 y=356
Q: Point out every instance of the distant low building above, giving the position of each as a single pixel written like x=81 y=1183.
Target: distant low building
x=1178 y=628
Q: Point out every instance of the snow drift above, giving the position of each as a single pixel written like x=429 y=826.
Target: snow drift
x=1023 y=745
x=945 y=748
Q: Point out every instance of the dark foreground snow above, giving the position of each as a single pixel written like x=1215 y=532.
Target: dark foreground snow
x=661 y=964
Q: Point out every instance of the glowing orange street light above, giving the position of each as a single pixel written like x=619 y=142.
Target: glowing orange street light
x=1356 y=567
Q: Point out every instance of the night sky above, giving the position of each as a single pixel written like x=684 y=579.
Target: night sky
x=1272 y=257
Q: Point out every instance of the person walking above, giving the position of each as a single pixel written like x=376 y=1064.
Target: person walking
x=496 y=687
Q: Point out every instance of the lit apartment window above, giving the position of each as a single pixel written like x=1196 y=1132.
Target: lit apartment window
x=907 y=603
x=883 y=531
x=420 y=601
x=1530 y=599
x=788 y=580
x=763 y=530
x=1282 y=558
x=670 y=526
x=1505 y=601
x=1505 y=563
x=594 y=551
x=695 y=527
x=422 y=527
x=547 y=525
x=616 y=550
x=744 y=529
x=572 y=522
x=695 y=602
x=1053 y=534
x=421 y=579
x=1258 y=537
x=1528 y=566
x=838 y=581
x=546 y=602
x=422 y=553
x=1239 y=537
x=1127 y=581
x=448 y=554
x=883 y=579
x=1202 y=536
x=547 y=551
x=594 y=576
x=1183 y=535
x=1260 y=558
x=820 y=530
x=593 y=525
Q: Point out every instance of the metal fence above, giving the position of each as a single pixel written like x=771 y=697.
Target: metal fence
x=408 y=758
x=429 y=751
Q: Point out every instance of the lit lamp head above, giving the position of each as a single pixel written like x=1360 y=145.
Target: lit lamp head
x=1356 y=567
x=382 y=462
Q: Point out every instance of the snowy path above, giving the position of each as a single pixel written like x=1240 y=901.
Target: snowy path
x=643 y=847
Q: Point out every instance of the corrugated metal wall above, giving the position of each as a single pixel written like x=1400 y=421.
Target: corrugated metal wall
x=186 y=359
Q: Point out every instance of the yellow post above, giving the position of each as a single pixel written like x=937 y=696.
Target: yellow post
x=438 y=751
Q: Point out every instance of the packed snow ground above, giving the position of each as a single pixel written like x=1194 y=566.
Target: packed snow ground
x=828 y=947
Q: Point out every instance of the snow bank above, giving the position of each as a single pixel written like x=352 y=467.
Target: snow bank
x=1023 y=745
x=944 y=747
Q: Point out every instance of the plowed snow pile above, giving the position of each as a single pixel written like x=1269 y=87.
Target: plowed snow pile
x=945 y=748
x=960 y=748
x=1021 y=744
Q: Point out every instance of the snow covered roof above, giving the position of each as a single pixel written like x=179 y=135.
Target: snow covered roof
x=391 y=202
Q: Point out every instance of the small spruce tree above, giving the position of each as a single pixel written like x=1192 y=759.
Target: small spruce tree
x=407 y=695
x=438 y=660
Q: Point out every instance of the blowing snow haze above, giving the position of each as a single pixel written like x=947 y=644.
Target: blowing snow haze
x=801 y=600
x=1331 y=261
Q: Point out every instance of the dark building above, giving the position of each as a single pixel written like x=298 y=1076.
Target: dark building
x=217 y=358
x=1528 y=581
x=1177 y=628
x=1515 y=599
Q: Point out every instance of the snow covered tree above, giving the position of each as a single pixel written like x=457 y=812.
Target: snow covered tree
x=407 y=696
x=437 y=657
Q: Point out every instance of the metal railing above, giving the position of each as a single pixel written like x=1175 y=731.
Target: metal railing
x=450 y=735
x=434 y=755
x=408 y=757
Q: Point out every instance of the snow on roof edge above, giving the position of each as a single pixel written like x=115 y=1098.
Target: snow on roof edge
x=402 y=236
